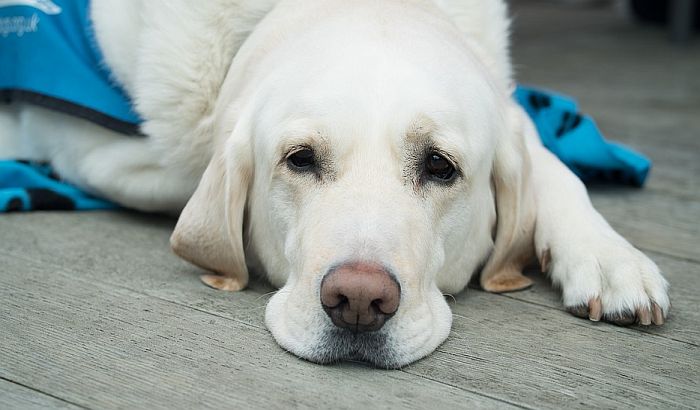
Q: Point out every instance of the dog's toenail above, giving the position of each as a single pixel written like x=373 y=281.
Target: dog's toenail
x=595 y=309
x=644 y=316
x=657 y=315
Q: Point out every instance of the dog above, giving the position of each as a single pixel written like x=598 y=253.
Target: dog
x=366 y=157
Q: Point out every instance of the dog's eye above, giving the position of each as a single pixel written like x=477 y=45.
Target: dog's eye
x=302 y=160
x=439 y=168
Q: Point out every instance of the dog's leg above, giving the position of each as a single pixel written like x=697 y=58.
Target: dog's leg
x=126 y=170
x=130 y=173
x=602 y=276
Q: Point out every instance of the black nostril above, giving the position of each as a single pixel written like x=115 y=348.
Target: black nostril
x=342 y=301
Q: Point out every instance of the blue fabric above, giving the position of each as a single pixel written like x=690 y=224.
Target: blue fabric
x=576 y=140
x=49 y=56
x=30 y=186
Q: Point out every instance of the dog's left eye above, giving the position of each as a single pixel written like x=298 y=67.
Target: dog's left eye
x=301 y=160
x=439 y=168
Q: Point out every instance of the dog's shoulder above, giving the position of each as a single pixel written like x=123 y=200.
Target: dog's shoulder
x=172 y=58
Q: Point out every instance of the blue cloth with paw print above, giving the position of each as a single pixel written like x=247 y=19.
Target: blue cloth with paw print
x=32 y=186
x=575 y=139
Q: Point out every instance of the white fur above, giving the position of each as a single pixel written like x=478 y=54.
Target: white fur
x=238 y=82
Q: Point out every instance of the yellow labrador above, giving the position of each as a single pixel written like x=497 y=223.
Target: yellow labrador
x=366 y=156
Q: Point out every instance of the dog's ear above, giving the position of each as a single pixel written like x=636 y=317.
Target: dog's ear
x=209 y=232
x=515 y=209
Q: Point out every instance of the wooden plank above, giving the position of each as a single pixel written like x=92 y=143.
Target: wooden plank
x=124 y=250
x=612 y=67
x=639 y=90
x=544 y=358
x=14 y=396
x=652 y=221
x=684 y=276
x=674 y=172
x=106 y=347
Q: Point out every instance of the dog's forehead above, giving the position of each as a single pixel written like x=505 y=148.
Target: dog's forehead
x=394 y=95
x=374 y=80
x=377 y=86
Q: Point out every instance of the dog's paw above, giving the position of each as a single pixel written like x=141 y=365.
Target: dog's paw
x=608 y=279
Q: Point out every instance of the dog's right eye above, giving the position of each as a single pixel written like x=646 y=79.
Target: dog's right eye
x=301 y=160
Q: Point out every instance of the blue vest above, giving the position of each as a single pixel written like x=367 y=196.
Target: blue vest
x=49 y=56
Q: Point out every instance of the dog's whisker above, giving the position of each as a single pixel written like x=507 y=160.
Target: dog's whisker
x=267 y=294
x=464 y=317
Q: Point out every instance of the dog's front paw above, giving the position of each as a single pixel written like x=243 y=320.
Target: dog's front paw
x=608 y=279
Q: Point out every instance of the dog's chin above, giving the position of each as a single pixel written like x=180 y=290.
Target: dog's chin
x=311 y=335
x=375 y=348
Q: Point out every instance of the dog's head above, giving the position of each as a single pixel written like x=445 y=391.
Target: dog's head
x=359 y=165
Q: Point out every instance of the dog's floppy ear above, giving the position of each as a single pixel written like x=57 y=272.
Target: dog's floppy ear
x=515 y=208
x=209 y=232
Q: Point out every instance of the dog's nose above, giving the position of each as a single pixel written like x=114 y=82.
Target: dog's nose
x=360 y=296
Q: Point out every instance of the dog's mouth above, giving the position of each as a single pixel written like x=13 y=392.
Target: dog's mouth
x=375 y=348
x=308 y=332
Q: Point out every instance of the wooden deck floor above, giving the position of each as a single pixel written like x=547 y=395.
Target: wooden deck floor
x=96 y=312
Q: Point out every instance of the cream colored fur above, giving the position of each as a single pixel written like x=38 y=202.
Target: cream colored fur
x=228 y=87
